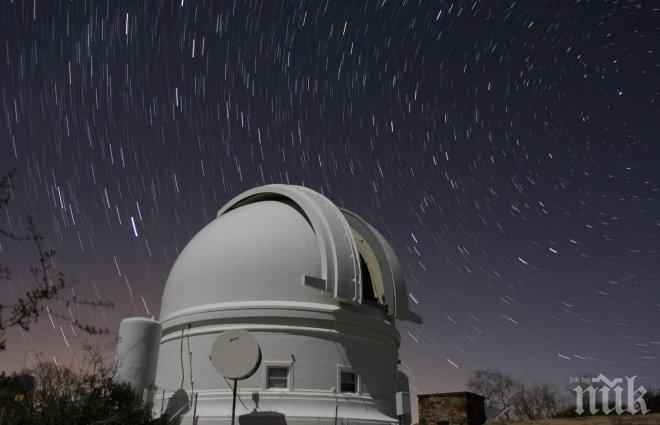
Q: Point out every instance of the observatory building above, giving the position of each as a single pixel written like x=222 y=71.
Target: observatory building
x=320 y=290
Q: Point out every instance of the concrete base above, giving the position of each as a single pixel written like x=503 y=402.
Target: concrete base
x=316 y=347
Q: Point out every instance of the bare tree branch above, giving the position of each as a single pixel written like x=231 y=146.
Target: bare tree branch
x=27 y=310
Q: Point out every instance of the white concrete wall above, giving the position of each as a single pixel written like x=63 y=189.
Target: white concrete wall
x=314 y=353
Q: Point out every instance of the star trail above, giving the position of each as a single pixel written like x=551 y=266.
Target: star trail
x=507 y=149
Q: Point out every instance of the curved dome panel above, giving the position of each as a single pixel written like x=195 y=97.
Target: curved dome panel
x=340 y=263
x=389 y=269
x=268 y=240
x=255 y=252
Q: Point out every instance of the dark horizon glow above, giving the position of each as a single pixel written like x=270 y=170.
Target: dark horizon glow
x=508 y=151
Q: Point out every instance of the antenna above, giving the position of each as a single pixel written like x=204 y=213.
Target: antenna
x=235 y=355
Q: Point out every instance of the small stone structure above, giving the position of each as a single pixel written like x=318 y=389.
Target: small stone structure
x=459 y=408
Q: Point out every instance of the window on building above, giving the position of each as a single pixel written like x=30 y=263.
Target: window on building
x=278 y=377
x=348 y=382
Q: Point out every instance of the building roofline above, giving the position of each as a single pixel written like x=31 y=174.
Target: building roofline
x=450 y=394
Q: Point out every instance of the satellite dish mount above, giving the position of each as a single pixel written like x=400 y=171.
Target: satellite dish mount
x=235 y=355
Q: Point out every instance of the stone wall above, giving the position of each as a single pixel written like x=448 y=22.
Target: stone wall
x=462 y=408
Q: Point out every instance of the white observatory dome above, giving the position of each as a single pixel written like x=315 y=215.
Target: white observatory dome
x=318 y=287
x=257 y=252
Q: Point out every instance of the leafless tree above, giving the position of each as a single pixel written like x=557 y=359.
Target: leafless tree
x=535 y=400
x=49 y=285
x=496 y=387
x=526 y=401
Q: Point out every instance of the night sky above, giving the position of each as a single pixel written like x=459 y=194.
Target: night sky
x=507 y=149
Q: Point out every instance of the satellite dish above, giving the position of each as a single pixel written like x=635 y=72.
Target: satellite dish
x=236 y=354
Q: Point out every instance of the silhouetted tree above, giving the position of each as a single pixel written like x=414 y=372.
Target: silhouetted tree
x=27 y=309
x=535 y=400
x=522 y=400
x=652 y=400
x=55 y=395
x=496 y=387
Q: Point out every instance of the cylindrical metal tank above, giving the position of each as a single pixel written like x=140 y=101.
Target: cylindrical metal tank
x=137 y=354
